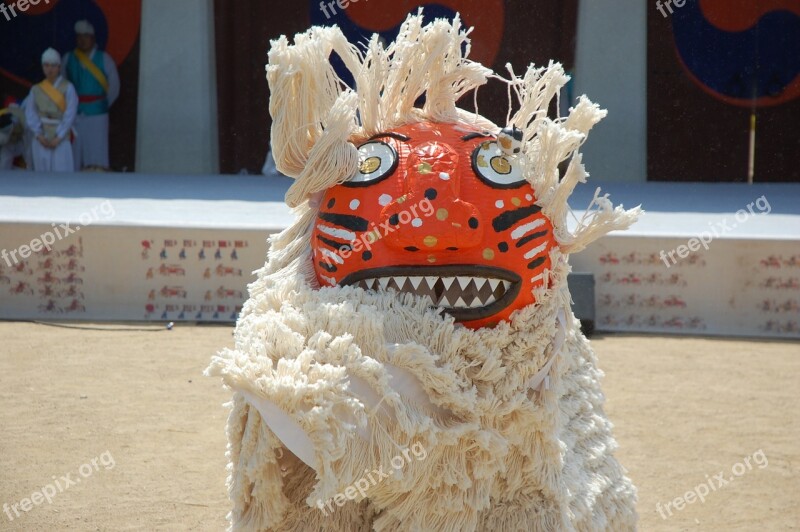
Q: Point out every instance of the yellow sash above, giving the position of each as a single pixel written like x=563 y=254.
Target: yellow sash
x=4 y=112
x=92 y=68
x=54 y=94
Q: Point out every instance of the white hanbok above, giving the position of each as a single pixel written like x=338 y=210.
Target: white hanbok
x=42 y=122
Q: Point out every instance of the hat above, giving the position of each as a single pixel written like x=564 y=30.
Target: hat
x=51 y=57
x=84 y=27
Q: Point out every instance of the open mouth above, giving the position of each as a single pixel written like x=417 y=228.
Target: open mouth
x=466 y=292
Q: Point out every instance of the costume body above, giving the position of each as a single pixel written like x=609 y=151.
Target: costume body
x=51 y=112
x=98 y=88
x=408 y=359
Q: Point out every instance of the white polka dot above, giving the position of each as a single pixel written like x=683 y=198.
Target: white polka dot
x=499 y=204
x=385 y=200
x=416 y=222
x=444 y=176
x=528 y=197
x=354 y=204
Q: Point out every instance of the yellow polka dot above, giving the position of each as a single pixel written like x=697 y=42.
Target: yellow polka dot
x=424 y=168
x=431 y=258
x=442 y=214
x=488 y=254
x=402 y=199
x=456 y=225
x=430 y=241
x=516 y=202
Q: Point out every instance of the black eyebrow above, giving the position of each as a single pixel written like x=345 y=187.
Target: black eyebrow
x=398 y=136
x=475 y=135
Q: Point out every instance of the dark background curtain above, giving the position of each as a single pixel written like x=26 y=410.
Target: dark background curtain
x=706 y=68
x=511 y=31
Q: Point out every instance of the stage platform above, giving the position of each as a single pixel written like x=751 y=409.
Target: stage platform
x=183 y=248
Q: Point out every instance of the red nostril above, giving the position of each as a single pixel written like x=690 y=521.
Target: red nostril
x=430 y=216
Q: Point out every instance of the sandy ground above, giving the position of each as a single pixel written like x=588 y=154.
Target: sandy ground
x=136 y=403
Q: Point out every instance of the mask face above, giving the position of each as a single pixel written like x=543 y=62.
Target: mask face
x=438 y=210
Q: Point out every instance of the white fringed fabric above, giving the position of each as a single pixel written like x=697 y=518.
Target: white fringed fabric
x=330 y=385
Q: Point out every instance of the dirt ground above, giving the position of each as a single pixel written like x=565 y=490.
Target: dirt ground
x=136 y=403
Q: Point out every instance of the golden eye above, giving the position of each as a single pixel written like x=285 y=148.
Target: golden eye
x=500 y=165
x=377 y=161
x=370 y=165
x=492 y=166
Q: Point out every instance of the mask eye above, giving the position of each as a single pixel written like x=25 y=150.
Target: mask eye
x=495 y=168
x=376 y=161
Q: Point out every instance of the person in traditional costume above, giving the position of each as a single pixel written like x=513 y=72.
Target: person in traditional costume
x=95 y=76
x=12 y=134
x=50 y=114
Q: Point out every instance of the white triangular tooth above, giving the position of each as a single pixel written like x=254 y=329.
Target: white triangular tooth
x=444 y=301
x=463 y=282
x=373 y=284
x=480 y=282
x=431 y=281
x=493 y=283
x=476 y=303
x=384 y=281
x=490 y=300
x=415 y=281
x=448 y=282
x=506 y=285
x=460 y=303
x=400 y=281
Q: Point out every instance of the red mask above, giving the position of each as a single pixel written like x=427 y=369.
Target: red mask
x=439 y=210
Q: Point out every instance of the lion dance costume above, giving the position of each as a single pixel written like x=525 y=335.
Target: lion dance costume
x=408 y=359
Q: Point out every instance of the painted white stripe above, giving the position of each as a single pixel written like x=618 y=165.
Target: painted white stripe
x=535 y=251
x=330 y=280
x=333 y=256
x=537 y=278
x=347 y=236
x=523 y=230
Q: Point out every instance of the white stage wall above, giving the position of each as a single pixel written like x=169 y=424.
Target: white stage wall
x=736 y=288
x=130 y=273
x=739 y=287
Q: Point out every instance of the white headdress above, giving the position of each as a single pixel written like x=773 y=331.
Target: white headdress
x=51 y=57
x=84 y=27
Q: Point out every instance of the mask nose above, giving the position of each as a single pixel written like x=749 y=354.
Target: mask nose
x=431 y=215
